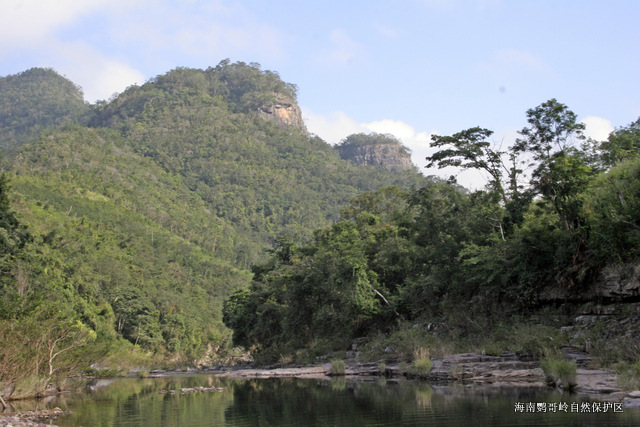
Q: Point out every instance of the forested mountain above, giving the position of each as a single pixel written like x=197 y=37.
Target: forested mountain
x=141 y=214
x=150 y=226
x=35 y=100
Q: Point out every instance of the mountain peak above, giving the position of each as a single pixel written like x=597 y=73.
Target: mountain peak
x=36 y=99
x=378 y=150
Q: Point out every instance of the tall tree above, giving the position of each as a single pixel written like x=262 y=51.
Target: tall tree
x=553 y=128
x=469 y=149
x=621 y=144
x=560 y=170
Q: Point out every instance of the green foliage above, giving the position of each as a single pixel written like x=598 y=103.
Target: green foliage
x=613 y=209
x=35 y=100
x=349 y=147
x=469 y=150
x=146 y=221
x=337 y=367
x=13 y=234
x=421 y=367
x=628 y=375
x=179 y=196
x=103 y=373
x=360 y=139
x=440 y=252
x=561 y=171
x=29 y=387
x=552 y=126
x=623 y=143
x=557 y=368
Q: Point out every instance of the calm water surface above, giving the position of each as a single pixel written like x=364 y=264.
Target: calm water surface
x=295 y=402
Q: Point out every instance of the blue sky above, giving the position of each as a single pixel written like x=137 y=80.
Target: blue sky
x=406 y=67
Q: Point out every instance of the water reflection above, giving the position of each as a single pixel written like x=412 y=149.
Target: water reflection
x=340 y=402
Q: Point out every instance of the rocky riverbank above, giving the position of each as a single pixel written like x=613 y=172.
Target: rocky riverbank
x=506 y=370
x=31 y=418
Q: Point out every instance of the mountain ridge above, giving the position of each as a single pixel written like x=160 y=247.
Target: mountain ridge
x=148 y=210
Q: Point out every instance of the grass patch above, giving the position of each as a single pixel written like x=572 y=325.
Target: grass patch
x=628 y=375
x=382 y=368
x=30 y=386
x=337 y=367
x=422 y=367
x=421 y=364
x=402 y=343
x=104 y=373
x=557 y=368
x=142 y=373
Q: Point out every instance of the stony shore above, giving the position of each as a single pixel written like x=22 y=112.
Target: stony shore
x=506 y=370
x=31 y=418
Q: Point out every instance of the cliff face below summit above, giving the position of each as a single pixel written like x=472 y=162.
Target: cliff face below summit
x=376 y=150
x=283 y=112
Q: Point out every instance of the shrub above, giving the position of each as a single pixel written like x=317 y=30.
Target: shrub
x=104 y=373
x=421 y=364
x=143 y=373
x=382 y=368
x=337 y=367
x=557 y=368
x=628 y=375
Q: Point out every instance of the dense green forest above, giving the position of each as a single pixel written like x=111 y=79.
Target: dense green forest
x=473 y=261
x=174 y=222
x=125 y=224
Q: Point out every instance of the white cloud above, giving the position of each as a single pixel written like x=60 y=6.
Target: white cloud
x=343 y=49
x=109 y=77
x=162 y=35
x=201 y=29
x=99 y=76
x=333 y=127
x=597 y=128
x=28 y=22
x=33 y=27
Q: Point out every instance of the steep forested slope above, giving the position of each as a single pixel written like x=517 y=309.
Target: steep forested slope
x=35 y=100
x=145 y=212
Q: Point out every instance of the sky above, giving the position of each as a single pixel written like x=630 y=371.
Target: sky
x=411 y=68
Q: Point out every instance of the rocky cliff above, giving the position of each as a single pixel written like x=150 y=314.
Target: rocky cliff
x=376 y=150
x=620 y=282
x=283 y=112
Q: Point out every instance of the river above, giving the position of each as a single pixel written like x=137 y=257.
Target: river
x=339 y=402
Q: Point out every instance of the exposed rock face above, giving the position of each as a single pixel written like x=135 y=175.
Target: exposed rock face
x=476 y=368
x=615 y=282
x=284 y=112
x=389 y=156
x=619 y=281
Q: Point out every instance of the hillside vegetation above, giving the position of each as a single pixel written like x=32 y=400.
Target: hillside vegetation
x=475 y=264
x=182 y=218
x=130 y=221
